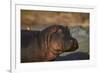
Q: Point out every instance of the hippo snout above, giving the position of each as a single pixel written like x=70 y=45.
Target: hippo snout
x=74 y=44
x=71 y=45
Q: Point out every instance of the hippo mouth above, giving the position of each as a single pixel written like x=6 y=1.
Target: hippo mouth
x=71 y=46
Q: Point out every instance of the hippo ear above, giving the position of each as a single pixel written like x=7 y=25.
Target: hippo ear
x=66 y=27
x=67 y=31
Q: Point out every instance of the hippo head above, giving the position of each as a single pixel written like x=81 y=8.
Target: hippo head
x=57 y=39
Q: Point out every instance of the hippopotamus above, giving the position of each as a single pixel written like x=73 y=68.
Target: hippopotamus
x=47 y=44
